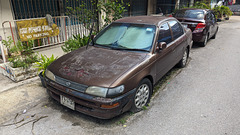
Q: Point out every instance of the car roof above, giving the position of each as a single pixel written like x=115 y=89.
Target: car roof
x=150 y=20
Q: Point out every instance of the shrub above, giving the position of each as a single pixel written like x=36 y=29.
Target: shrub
x=75 y=43
x=21 y=54
x=222 y=11
x=44 y=63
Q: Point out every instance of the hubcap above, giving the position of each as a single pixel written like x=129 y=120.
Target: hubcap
x=142 y=96
x=185 y=57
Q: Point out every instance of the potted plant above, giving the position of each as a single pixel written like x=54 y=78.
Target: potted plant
x=42 y=66
x=21 y=59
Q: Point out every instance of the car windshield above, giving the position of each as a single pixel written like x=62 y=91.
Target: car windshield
x=195 y=14
x=127 y=36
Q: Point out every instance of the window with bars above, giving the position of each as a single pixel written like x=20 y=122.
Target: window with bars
x=136 y=8
x=165 y=6
x=24 y=9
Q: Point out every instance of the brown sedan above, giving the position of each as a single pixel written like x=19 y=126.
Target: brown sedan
x=117 y=72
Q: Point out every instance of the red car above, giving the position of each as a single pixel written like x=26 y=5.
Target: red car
x=202 y=22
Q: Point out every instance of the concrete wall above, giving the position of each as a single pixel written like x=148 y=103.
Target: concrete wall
x=151 y=7
x=5 y=15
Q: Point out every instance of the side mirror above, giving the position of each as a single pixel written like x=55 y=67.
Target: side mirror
x=161 y=46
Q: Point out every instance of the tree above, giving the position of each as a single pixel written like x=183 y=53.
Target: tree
x=108 y=10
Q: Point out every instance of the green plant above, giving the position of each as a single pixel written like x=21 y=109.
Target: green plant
x=203 y=5
x=200 y=4
x=222 y=11
x=113 y=9
x=144 y=107
x=20 y=54
x=44 y=63
x=75 y=43
x=110 y=10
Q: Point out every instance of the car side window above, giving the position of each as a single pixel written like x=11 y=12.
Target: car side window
x=165 y=34
x=208 y=16
x=213 y=17
x=177 y=29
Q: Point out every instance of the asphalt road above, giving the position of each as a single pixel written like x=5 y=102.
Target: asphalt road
x=201 y=100
x=204 y=98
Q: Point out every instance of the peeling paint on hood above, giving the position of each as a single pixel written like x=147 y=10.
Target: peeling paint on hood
x=96 y=66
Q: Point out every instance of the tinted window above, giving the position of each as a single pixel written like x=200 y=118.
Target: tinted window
x=177 y=29
x=165 y=34
x=195 y=14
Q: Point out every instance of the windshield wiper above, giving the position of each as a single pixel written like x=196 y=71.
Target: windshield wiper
x=120 y=47
x=128 y=49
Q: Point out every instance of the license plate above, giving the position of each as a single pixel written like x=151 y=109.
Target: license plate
x=185 y=25
x=67 y=102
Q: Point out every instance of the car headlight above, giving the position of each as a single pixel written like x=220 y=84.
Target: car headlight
x=104 y=92
x=49 y=75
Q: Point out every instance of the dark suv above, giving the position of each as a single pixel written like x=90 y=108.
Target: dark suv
x=202 y=22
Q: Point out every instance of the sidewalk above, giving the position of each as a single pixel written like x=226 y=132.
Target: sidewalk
x=16 y=97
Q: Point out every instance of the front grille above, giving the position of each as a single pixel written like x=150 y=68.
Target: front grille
x=71 y=84
x=81 y=103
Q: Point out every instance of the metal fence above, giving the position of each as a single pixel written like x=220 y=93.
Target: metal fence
x=69 y=25
x=63 y=22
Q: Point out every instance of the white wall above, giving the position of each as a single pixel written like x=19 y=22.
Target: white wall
x=5 y=14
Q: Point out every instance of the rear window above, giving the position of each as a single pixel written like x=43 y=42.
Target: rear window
x=195 y=14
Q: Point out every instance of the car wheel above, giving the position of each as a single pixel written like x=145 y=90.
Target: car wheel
x=204 y=43
x=183 y=62
x=142 y=95
x=214 y=36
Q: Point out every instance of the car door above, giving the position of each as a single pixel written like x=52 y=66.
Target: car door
x=209 y=22
x=179 y=41
x=214 y=21
x=164 y=57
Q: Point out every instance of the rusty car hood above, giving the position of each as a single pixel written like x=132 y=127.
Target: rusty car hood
x=95 y=66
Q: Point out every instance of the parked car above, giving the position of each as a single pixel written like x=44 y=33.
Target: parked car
x=202 y=22
x=117 y=72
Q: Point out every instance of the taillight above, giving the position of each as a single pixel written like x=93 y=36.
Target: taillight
x=199 y=27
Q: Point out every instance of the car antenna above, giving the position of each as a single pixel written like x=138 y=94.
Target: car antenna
x=90 y=36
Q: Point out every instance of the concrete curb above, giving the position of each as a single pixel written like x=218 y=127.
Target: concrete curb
x=18 y=84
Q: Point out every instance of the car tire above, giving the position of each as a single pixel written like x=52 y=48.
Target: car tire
x=214 y=36
x=204 y=43
x=142 y=95
x=183 y=62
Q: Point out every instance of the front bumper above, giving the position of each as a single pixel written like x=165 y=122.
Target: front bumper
x=91 y=105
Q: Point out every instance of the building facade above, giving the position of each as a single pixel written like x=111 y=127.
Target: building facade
x=15 y=10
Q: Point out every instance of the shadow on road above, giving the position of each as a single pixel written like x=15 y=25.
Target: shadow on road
x=80 y=119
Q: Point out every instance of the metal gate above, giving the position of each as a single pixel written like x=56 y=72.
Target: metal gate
x=63 y=22
x=68 y=25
